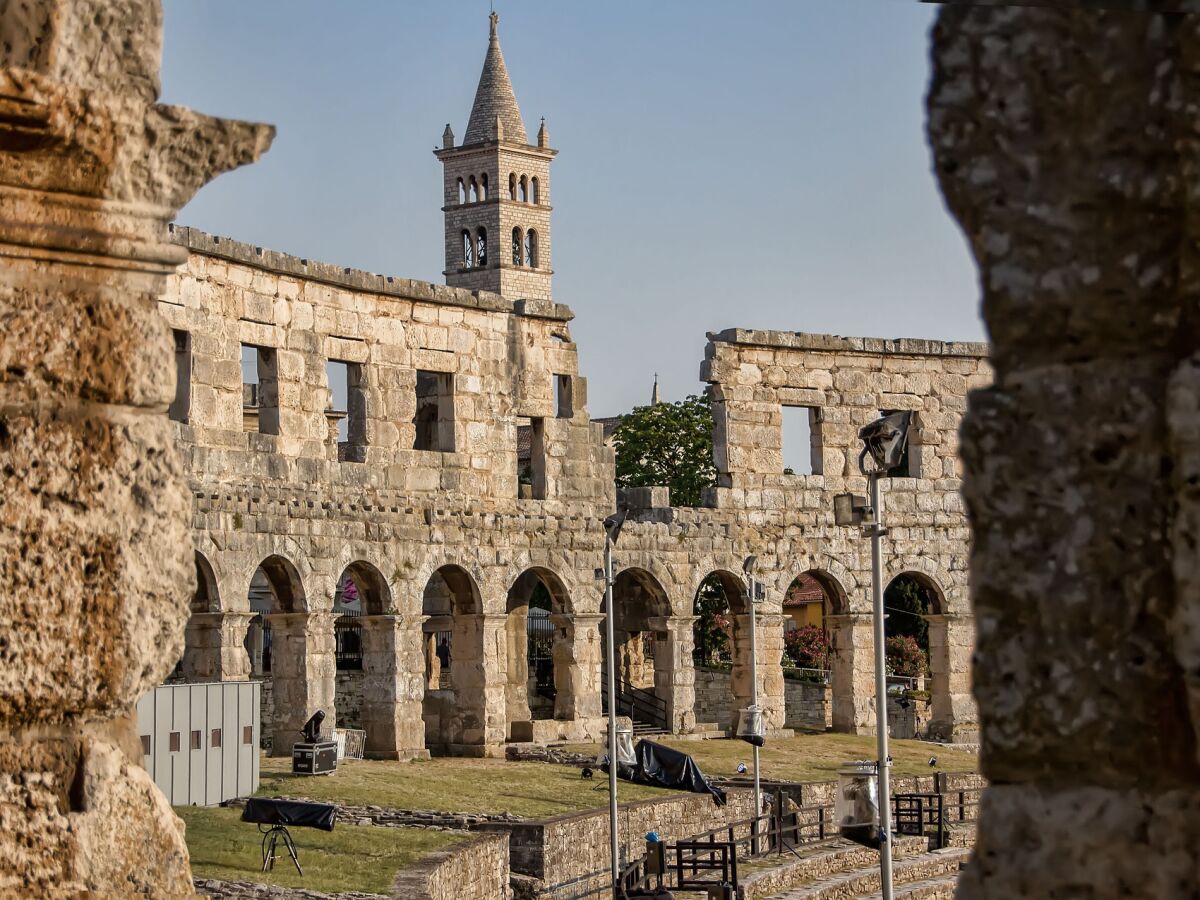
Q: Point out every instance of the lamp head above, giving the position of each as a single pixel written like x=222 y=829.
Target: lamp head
x=612 y=525
x=884 y=440
x=748 y=565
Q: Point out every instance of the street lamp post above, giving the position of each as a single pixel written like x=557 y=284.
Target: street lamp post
x=748 y=568
x=884 y=442
x=612 y=530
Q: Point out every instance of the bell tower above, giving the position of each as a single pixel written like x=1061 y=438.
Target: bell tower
x=497 y=192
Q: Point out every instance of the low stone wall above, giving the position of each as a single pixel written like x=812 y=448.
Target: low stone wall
x=246 y=890
x=475 y=870
x=807 y=705
x=574 y=848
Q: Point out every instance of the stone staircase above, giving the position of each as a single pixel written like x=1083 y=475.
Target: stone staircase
x=840 y=870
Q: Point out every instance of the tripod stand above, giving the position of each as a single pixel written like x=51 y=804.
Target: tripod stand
x=270 y=839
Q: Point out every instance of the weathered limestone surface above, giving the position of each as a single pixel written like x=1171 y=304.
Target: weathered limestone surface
x=95 y=568
x=1066 y=145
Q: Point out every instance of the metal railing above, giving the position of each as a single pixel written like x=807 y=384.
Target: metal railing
x=816 y=676
x=642 y=706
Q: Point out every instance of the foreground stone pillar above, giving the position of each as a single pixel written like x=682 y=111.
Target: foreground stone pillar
x=215 y=647
x=951 y=642
x=769 y=672
x=393 y=687
x=1067 y=146
x=303 y=675
x=96 y=566
x=853 y=673
x=516 y=644
x=674 y=674
x=577 y=666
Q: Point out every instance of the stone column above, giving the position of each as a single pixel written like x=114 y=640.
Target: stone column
x=577 y=665
x=853 y=673
x=951 y=642
x=674 y=676
x=393 y=687
x=516 y=652
x=215 y=647
x=769 y=655
x=95 y=558
x=1067 y=145
x=303 y=674
x=479 y=664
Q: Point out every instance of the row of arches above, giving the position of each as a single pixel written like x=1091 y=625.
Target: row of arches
x=475 y=248
x=521 y=188
x=490 y=676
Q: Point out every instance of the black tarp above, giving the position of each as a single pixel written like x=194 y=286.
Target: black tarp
x=289 y=812
x=661 y=766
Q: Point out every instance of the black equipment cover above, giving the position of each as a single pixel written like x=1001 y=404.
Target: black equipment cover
x=661 y=766
x=289 y=812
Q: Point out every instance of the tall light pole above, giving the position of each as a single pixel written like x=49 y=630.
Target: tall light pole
x=612 y=530
x=884 y=442
x=748 y=568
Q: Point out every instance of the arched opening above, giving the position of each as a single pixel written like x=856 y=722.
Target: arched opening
x=468 y=250
x=533 y=636
x=523 y=190
x=643 y=676
x=454 y=705
x=810 y=632
x=205 y=598
x=473 y=190
x=717 y=604
x=200 y=660
x=512 y=186
x=483 y=186
x=531 y=249
x=481 y=247
x=275 y=587
x=533 y=190
x=462 y=192
x=518 y=241
x=913 y=659
x=361 y=591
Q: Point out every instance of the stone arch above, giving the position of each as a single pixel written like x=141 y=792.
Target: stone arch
x=535 y=194
x=536 y=621
x=284 y=584
x=472 y=190
x=462 y=192
x=717 y=598
x=481 y=247
x=206 y=598
x=518 y=244
x=455 y=647
x=372 y=588
x=483 y=186
x=818 y=692
x=512 y=185
x=911 y=718
x=641 y=606
x=531 y=248
x=523 y=189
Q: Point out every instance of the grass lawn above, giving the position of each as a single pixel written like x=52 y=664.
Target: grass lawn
x=350 y=857
x=815 y=757
x=532 y=790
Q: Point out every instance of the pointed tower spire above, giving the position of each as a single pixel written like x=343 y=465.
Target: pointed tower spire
x=494 y=99
x=655 y=399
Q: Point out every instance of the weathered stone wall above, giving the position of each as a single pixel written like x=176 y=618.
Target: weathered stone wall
x=398 y=519
x=807 y=705
x=1066 y=145
x=474 y=870
x=575 y=846
x=92 y=492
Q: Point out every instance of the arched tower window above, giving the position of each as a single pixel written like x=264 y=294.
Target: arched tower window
x=481 y=247
x=533 y=191
x=462 y=192
x=517 y=244
x=473 y=192
x=523 y=190
x=483 y=186
x=531 y=249
x=468 y=250
x=512 y=186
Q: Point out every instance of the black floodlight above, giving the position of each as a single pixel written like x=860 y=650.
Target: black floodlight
x=885 y=440
x=748 y=565
x=849 y=509
x=312 y=728
x=613 y=524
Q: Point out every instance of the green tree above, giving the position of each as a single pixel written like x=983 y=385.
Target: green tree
x=908 y=602
x=709 y=633
x=668 y=444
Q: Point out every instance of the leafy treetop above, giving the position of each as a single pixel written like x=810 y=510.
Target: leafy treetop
x=668 y=444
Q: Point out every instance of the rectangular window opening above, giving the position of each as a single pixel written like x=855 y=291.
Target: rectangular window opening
x=434 y=416
x=196 y=739
x=173 y=742
x=347 y=412
x=215 y=743
x=801 y=436
x=260 y=390
x=531 y=459
x=145 y=745
x=180 y=406
x=910 y=462
x=564 y=400
x=247 y=734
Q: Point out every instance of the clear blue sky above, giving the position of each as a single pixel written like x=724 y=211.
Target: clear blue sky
x=760 y=165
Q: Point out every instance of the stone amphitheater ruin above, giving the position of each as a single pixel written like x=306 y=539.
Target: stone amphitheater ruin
x=1064 y=142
